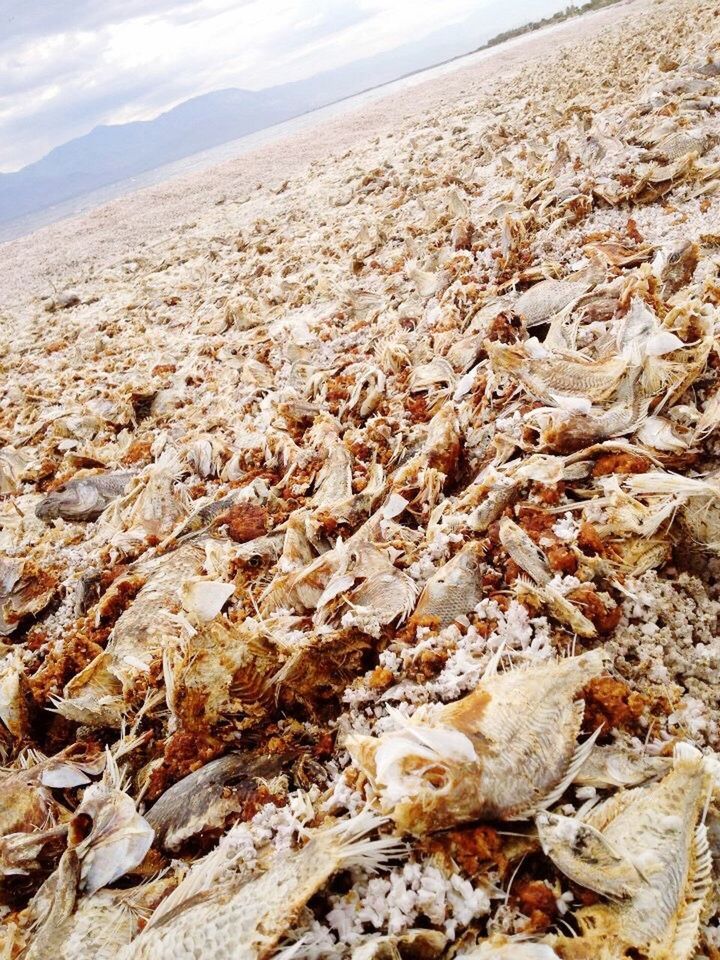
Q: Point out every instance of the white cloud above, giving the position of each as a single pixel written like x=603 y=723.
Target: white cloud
x=69 y=66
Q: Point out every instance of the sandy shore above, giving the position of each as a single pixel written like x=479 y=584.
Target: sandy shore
x=69 y=253
x=391 y=484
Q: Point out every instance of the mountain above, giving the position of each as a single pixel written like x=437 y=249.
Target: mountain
x=109 y=154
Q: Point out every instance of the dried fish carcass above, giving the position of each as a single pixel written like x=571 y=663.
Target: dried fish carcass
x=85 y=496
x=481 y=758
x=207 y=799
x=100 y=693
x=647 y=850
x=247 y=918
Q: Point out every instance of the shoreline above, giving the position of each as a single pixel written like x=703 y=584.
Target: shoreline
x=49 y=258
x=235 y=148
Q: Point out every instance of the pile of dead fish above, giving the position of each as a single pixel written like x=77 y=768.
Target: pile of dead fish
x=360 y=566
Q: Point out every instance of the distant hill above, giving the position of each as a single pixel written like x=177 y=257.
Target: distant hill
x=112 y=153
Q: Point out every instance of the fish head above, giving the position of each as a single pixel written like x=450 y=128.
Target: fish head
x=558 y=833
x=14 y=697
x=108 y=835
x=26 y=805
x=75 y=500
x=442 y=446
x=421 y=773
x=585 y=855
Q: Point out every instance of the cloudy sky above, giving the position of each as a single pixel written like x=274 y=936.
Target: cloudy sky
x=68 y=65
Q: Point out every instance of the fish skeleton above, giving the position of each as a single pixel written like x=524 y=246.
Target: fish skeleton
x=482 y=757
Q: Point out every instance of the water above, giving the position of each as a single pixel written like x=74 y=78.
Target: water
x=21 y=226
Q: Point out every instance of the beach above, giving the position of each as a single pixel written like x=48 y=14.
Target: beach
x=360 y=529
x=65 y=253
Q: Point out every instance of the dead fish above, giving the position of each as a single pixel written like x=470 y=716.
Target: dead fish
x=224 y=676
x=676 y=266
x=368 y=390
x=52 y=907
x=309 y=575
x=358 y=505
x=697 y=501
x=678 y=144
x=701 y=517
x=455 y=589
x=437 y=373
x=524 y=551
x=208 y=797
x=107 y=834
x=547 y=298
x=650 y=845
x=25 y=590
x=483 y=502
x=155 y=503
x=560 y=372
x=25 y=804
x=367 y=585
x=199 y=521
x=422 y=478
x=89 y=927
x=333 y=482
x=558 y=605
x=566 y=431
x=482 y=757
x=616 y=765
x=96 y=694
x=320 y=666
x=85 y=496
x=105 y=922
x=88 y=590
x=26 y=801
x=247 y=920
x=15 y=698
x=710 y=68
x=30 y=853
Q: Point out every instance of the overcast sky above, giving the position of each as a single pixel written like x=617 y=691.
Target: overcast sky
x=68 y=65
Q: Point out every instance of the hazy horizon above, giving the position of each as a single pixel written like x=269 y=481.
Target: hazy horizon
x=69 y=70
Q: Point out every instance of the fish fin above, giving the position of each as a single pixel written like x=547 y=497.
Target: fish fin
x=112 y=776
x=673 y=484
x=493 y=663
x=579 y=759
x=348 y=843
x=687 y=926
x=203 y=882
